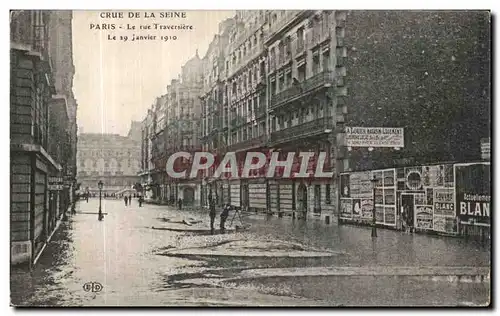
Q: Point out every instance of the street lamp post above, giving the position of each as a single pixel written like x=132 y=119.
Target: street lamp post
x=100 y=185
x=374 y=181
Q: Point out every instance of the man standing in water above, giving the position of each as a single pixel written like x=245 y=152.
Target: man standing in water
x=212 y=214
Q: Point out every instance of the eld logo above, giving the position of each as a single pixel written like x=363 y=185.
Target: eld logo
x=92 y=287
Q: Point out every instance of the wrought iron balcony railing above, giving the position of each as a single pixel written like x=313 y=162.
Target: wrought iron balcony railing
x=296 y=91
x=248 y=144
x=312 y=128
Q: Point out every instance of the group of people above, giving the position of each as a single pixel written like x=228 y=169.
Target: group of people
x=128 y=200
x=223 y=215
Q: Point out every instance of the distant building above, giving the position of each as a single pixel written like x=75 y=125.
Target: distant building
x=110 y=158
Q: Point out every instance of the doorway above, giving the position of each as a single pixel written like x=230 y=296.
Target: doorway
x=302 y=198
x=188 y=196
x=407 y=206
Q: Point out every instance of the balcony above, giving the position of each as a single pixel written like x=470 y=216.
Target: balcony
x=294 y=92
x=283 y=21
x=308 y=129
x=250 y=55
x=248 y=144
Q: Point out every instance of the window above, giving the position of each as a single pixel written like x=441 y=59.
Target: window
x=326 y=61
x=300 y=39
x=301 y=70
x=315 y=68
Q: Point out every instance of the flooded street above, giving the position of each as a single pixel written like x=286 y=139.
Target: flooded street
x=140 y=260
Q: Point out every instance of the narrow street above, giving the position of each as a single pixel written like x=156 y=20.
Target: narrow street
x=140 y=259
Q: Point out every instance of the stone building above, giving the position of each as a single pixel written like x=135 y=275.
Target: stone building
x=110 y=158
x=283 y=89
x=214 y=127
x=175 y=126
x=146 y=164
x=42 y=129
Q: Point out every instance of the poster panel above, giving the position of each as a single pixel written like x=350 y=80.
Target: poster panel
x=379 y=214
x=445 y=224
x=444 y=202
x=366 y=208
x=473 y=193
x=346 y=208
x=423 y=216
x=356 y=211
x=413 y=178
x=389 y=178
x=390 y=215
x=345 y=189
x=361 y=185
x=389 y=197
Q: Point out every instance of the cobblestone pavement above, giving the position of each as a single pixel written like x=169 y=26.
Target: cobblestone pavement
x=275 y=261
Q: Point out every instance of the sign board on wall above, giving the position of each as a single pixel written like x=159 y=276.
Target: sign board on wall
x=473 y=193
x=444 y=202
x=374 y=137
x=346 y=208
x=444 y=224
x=423 y=217
x=485 y=148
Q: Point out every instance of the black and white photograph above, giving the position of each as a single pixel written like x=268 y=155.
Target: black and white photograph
x=250 y=158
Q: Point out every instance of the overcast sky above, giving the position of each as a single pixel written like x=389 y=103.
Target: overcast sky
x=115 y=81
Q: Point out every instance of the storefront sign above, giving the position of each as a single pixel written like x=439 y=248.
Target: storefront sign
x=374 y=137
x=55 y=187
x=423 y=217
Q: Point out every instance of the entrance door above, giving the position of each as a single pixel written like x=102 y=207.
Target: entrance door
x=302 y=198
x=188 y=196
x=407 y=206
x=317 y=198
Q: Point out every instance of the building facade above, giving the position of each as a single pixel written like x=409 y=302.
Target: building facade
x=42 y=130
x=283 y=91
x=110 y=158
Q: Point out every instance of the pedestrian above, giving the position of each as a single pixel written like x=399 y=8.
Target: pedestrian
x=212 y=214
x=126 y=200
x=223 y=217
x=179 y=203
x=140 y=200
x=129 y=200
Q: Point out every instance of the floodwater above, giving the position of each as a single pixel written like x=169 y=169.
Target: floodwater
x=140 y=266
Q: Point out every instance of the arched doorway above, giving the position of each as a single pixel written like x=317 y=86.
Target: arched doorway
x=302 y=198
x=188 y=194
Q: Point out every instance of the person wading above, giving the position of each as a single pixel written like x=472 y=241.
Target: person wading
x=212 y=214
x=223 y=217
x=179 y=204
x=125 y=198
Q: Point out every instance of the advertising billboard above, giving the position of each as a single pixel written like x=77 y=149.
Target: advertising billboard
x=374 y=137
x=473 y=193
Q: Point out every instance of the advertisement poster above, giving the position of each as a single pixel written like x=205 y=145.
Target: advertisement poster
x=345 y=190
x=423 y=217
x=379 y=214
x=367 y=208
x=389 y=176
x=433 y=176
x=374 y=137
x=346 y=208
x=473 y=193
x=444 y=202
x=413 y=177
x=361 y=185
x=390 y=215
x=445 y=224
x=356 y=211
